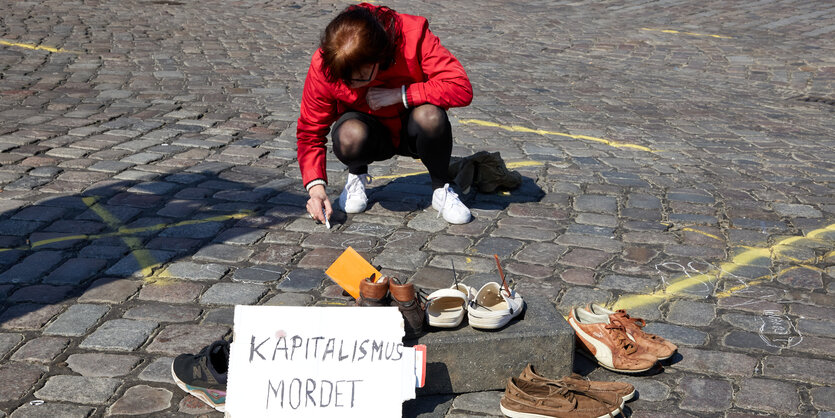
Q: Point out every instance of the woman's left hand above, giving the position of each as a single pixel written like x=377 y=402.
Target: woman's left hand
x=378 y=97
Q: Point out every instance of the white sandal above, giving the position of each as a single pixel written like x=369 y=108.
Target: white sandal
x=445 y=308
x=493 y=307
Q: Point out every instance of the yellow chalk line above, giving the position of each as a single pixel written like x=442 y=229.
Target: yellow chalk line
x=703 y=233
x=515 y=128
x=687 y=33
x=37 y=47
x=129 y=231
x=143 y=257
x=678 y=286
x=417 y=173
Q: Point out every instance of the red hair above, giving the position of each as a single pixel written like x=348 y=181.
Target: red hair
x=361 y=35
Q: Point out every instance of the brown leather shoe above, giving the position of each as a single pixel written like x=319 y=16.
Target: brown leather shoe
x=405 y=298
x=609 y=344
x=524 y=399
x=374 y=293
x=579 y=383
x=658 y=346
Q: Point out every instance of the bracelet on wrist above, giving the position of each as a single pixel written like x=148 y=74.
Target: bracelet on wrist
x=403 y=96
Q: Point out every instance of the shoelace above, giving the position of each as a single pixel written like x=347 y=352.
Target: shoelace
x=568 y=393
x=621 y=315
x=619 y=332
x=447 y=193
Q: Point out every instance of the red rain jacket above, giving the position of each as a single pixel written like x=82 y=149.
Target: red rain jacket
x=429 y=71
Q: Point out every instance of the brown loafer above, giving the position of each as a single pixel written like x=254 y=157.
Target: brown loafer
x=405 y=298
x=524 y=399
x=579 y=383
x=374 y=293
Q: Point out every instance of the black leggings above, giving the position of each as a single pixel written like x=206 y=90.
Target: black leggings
x=360 y=139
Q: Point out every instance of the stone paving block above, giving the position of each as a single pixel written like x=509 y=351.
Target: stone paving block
x=32 y=268
x=540 y=253
x=233 y=294
x=195 y=271
x=75 y=271
x=796 y=211
x=400 y=259
x=801 y=277
x=102 y=364
x=141 y=400
x=40 y=294
x=263 y=273
x=585 y=241
x=446 y=244
x=110 y=290
x=28 y=316
x=222 y=253
x=321 y=258
x=51 y=409
x=823 y=397
x=200 y=230
x=16 y=379
x=222 y=316
x=289 y=299
x=705 y=394
x=129 y=266
x=678 y=334
x=185 y=338
x=171 y=291
x=463 y=264
x=159 y=370
x=767 y=395
x=594 y=203
x=597 y=219
x=8 y=341
x=78 y=389
x=541 y=337
x=583 y=257
x=41 y=350
x=39 y=213
x=691 y=313
x=716 y=362
x=119 y=335
x=750 y=341
x=163 y=312
x=800 y=369
x=628 y=283
x=240 y=236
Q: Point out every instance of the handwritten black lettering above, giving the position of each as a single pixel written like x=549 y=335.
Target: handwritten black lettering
x=309 y=387
x=296 y=343
x=280 y=345
x=363 y=350
x=316 y=345
x=275 y=390
x=330 y=347
x=399 y=349
x=322 y=393
x=298 y=383
x=254 y=350
x=377 y=347
x=341 y=344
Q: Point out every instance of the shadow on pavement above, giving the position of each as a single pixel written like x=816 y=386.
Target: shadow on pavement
x=242 y=225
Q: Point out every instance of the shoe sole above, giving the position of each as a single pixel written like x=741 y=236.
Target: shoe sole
x=591 y=357
x=198 y=393
x=516 y=414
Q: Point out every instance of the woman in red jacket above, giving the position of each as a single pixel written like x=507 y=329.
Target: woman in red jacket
x=386 y=81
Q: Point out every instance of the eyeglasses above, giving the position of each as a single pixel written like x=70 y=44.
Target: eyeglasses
x=365 y=80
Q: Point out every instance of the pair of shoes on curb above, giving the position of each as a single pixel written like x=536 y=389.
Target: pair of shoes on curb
x=388 y=291
x=533 y=395
x=204 y=374
x=488 y=308
x=616 y=341
x=354 y=200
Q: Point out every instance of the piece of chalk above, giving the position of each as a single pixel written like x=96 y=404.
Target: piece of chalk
x=327 y=222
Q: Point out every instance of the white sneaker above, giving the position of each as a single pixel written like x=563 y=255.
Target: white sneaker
x=353 y=198
x=446 y=202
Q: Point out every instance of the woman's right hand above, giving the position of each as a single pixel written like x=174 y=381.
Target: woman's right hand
x=319 y=206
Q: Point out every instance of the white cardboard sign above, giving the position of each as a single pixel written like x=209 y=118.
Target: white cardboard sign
x=318 y=362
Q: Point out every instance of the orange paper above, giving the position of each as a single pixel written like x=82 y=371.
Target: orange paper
x=349 y=270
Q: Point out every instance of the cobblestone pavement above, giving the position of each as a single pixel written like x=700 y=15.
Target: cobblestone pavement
x=679 y=160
